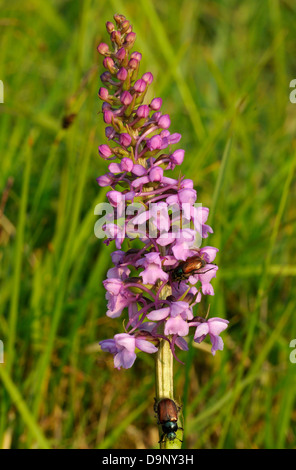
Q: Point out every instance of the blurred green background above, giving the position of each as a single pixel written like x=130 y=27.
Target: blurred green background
x=223 y=69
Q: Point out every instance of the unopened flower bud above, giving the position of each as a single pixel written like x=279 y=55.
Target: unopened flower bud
x=125 y=25
x=136 y=55
x=106 y=77
x=140 y=86
x=139 y=170
x=110 y=27
x=110 y=132
x=130 y=40
x=148 y=77
x=143 y=111
x=105 y=151
x=133 y=64
x=125 y=139
x=120 y=54
x=122 y=74
x=156 y=116
x=108 y=116
x=103 y=93
x=104 y=180
x=126 y=98
x=154 y=143
x=109 y=64
x=106 y=106
x=164 y=121
x=156 y=104
x=116 y=37
x=115 y=197
x=103 y=48
x=119 y=18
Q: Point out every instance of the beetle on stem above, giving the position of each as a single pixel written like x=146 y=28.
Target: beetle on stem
x=167 y=413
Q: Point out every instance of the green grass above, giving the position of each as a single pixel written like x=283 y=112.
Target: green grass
x=223 y=70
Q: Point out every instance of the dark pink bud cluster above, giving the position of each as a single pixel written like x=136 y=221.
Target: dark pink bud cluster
x=170 y=259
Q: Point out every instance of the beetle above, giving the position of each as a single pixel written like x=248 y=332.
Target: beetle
x=188 y=268
x=167 y=413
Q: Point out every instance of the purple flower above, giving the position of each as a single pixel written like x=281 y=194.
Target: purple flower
x=118 y=296
x=136 y=55
x=156 y=104
x=114 y=232
x=212 y=327
x=125 y=140
x=108 y=115
x=105 y=151
x=125 y=165
x=153 y=271
x=123 y=348
x=105 y=180
x=122 y=74
x=140 y=86
x=176 y=318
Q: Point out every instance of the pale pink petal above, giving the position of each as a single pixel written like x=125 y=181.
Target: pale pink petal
x=207 y=289
x=125 y=341
x=217 y=325
x=217 y=344
x=159 y=314
x=201 y=330
x=145 y=346
x=176 y=326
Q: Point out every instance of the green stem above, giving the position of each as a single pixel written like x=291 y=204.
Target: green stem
x=164 y=386
x=164 y=371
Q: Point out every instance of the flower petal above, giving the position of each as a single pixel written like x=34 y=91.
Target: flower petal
x=146 y=346
x=159 y=314
x=124 y=359
x=176 y=326
x=217 y=344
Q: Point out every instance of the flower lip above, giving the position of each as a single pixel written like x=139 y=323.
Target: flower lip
x=156 y=104
x=164 y=121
